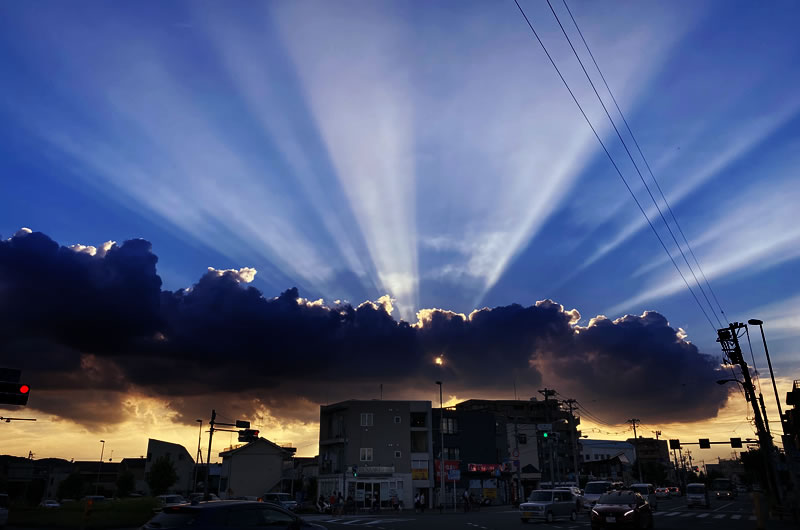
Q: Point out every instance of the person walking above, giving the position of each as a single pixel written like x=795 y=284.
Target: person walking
x=422 y=502
x=467 y=499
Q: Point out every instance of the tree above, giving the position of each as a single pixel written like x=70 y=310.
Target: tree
x=126 y=483
x=71 y=487
x=162 y=475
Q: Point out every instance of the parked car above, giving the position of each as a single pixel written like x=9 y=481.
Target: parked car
x=50 y=503
x=662 y=493
x=170 y=500
x=283 y=499
x=697 y=495
x=674 y=491
x=648 y=492
x=622 y=509
x=547 y=505
x=3 y=509
x=594 y=490
x=228 y=515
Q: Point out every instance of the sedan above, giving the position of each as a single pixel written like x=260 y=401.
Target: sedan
x=230 y=515
x=50 y=503
x=662 y=493
x=674 y=491
x=622 y=509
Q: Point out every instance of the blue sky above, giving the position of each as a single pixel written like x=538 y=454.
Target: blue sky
x=430 y=152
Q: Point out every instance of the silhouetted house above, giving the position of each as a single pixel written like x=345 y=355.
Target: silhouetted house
x=137 y=467
x=253 y=469
x=180 y=458
x=617 y=467
x=99 y=478
x=388 y=443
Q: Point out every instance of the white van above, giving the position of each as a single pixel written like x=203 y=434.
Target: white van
x=697 y=495
x=593 y=490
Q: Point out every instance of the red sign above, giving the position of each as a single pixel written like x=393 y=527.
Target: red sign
x=448 y=464
x=482 y=468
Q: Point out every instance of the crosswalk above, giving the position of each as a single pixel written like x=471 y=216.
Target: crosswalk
x=734 y=516
x=362 y=521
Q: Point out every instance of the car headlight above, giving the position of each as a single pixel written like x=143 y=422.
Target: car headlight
x=629 y=512
x=594 y=512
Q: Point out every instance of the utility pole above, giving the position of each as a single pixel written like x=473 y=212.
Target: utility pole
x=689 y=456
x=208 y=460
x=547 y=392
x=657 y=433
x=729 y=341
x=760 y=324
x=520 y=491
x=633 y=422
x=573 y=434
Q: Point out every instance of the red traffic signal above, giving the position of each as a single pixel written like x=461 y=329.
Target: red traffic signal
x=14 y=394
x=248 y=435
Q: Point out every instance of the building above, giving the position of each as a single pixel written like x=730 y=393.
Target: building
x=650 y=450
x=376 y=450
x=615 y=468
x=137 y=467
x=554 y=455
x=180 y=458
x=253 y=469
x=594 y=450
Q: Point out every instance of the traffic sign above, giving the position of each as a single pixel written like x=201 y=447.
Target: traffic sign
x=544 y=426
x=453 y=474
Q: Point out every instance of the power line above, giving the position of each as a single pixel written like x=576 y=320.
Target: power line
x=647 y=164
x=630 y=156
x=613 y=163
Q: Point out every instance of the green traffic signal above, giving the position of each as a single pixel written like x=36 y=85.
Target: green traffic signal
x=544 y=434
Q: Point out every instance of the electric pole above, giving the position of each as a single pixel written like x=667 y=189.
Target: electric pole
x=633 y=422
x=573 y=434
x=729 y=341
x=520 y=491
x=208 y=460
x=547 y=392
x=657 y=433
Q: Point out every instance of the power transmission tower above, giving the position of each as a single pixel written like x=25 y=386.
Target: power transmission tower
x=729 y=341
x=633 y=422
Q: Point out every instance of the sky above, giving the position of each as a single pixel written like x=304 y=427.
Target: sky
x=265 y=207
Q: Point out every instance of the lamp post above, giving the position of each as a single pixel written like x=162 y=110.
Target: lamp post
x=760 y=324
x=99 y=467
x=199 y=436
x=441 y=447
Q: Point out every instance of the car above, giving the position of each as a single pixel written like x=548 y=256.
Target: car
x=3 y=509
x=594 y=490
x=662 y=493
x=697 y=495
x=548 y=505
x=674 y=491
x=577 y=495
x=171 y=500
x=228 y=515
x=199 y=497
x=621 y=509
x=648 y=492
x=50 y=503
x=283 y=499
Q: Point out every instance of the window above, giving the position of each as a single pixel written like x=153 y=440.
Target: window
x=449 y=425
x=397 y=419
x=451 y=453
x=419 y=464
x=523 y=438
x=366 y=454
x=419 y=441
x=419 y=419
x=367 y=419
x=397 y=454
x=273 y=517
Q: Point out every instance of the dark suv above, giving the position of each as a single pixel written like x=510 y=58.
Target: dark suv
x=230 y=515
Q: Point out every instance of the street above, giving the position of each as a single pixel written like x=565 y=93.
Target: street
x=672 y=514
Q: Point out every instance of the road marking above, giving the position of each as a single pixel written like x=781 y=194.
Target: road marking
x=687 y=514
x=703 y=515
x=736 y=516
x=671 y=514
x=720 y=516
x=721 y=507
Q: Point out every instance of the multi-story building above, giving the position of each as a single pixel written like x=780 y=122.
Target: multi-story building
x=595 y=450
x=254 y=469
x=553 y=460
x=650 y=450
x=376 y=450
x=181 y=460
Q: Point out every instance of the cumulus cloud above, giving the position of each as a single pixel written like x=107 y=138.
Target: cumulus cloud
x=92 y=329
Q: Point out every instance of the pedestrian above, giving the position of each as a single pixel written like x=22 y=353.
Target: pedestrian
x=416 y=503
x=466 y=497
x=340 y=503
x=422 y=502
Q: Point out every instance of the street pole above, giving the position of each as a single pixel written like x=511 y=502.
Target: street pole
x=572 y=430
x=520 y=491
x=760 y=324
x=441 y=454
x=197 y=455
x=633 y=422
x=547 y=392
x=99 y=467
x=208 y=460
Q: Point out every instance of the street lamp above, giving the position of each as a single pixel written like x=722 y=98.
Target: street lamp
x=759 y=323
x=723 y=381
x=199 y=435
x=100 y=466
x=441 y=447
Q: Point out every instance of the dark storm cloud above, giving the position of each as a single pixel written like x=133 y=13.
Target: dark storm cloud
x=78 y=320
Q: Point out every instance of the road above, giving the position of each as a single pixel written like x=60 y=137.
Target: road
x=671 y=515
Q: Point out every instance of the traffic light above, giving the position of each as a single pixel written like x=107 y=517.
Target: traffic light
x=736 y=443
x=675 y=444
x=545 y=434
x=696 y=469
x=355 y=471
x=248 y=435
x=705 y=443
x=14 y=393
